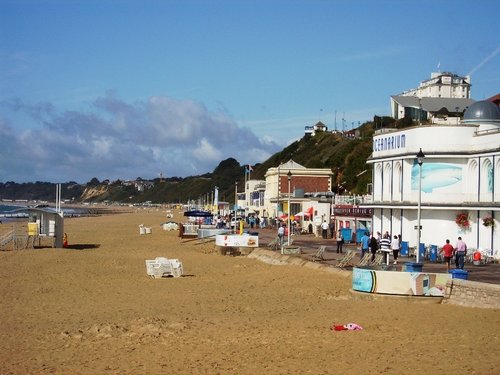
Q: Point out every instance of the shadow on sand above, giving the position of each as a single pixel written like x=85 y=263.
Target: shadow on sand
x=83 y=246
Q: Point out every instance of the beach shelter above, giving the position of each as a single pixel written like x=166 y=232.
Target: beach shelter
x=45 y=223
x=199 y=216
x=50 y=224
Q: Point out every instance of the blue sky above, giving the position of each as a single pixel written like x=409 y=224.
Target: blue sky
x=125 y=89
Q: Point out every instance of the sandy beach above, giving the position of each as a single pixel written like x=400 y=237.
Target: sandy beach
x=91 y=309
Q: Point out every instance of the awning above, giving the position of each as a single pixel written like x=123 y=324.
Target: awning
x=197 y=213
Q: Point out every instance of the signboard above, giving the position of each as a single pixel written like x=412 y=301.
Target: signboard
x=389 y=142
x=400 y=283
x=353 y=211
x=236 y=240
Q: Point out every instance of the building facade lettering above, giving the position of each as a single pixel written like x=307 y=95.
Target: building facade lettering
x=391 y=142
x=353 y=211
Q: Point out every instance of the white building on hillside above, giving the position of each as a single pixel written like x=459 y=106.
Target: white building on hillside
x=441 y=99
x=442 y=85
x=312 y=130
x=460 y=177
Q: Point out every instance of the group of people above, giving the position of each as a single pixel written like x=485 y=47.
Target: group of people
x=459 y=251
x=372 y=243
x=254 y=221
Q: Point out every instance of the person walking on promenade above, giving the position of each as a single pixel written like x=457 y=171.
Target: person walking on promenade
x=281 y=234
x=447 y=254
x=324 y=229
x=385 y=247
x=262 y=222
x=460 y=250
x=373 y=246
x=340 y=242
x=331 y=226
x=395 y=246
x=365 y=244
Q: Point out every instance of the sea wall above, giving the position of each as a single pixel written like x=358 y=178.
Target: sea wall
x=472 y=294
x=276 y=258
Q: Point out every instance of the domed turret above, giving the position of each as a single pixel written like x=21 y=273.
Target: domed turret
x=482 y=112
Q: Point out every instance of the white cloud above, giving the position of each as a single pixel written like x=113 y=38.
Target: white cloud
x=206 y=151
x=119 y=140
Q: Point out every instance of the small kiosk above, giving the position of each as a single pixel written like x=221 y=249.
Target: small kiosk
x=235 y=244
x=49 y=224
x=44 y=224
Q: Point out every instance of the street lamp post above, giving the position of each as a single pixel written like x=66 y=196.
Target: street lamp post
x=289 y=175
x=420 y=160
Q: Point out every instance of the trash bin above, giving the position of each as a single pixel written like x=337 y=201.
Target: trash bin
x=422 y=250
x=459 y=274
x=413 y=267
x=433 y=254
x=404 y=248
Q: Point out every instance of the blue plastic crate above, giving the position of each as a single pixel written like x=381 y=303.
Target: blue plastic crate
x=459 y=274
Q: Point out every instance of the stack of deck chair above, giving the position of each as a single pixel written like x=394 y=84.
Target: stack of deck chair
x=163 y=267
x=345 y=261
x=274 y=244
x=366 y=260
x=170 y=226
x=379 y=259
x=319 y=256
x=145 y=230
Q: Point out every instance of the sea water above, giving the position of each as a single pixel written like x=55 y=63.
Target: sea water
x=10 y=212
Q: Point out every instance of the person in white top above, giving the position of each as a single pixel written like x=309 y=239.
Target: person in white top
x=395 y=249
x=324 y=229
x=281 y=234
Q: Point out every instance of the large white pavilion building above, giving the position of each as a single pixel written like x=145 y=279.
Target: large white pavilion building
x=459 y=178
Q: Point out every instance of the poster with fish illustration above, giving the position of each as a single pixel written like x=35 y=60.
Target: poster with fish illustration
x=443 y=176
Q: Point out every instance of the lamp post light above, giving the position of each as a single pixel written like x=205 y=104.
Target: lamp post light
x=289 y=175
x=420 y=161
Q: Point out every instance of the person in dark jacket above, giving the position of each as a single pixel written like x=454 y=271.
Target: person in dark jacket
x=340 y=242
x=373 y=246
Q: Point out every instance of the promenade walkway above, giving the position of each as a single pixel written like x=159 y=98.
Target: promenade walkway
x=309 y=244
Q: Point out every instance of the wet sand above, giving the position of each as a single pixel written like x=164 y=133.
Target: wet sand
x=91 y=309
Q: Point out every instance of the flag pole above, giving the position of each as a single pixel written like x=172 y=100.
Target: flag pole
x=245 y=190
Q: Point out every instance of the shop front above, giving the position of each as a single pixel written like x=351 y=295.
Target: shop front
x=352 y=221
